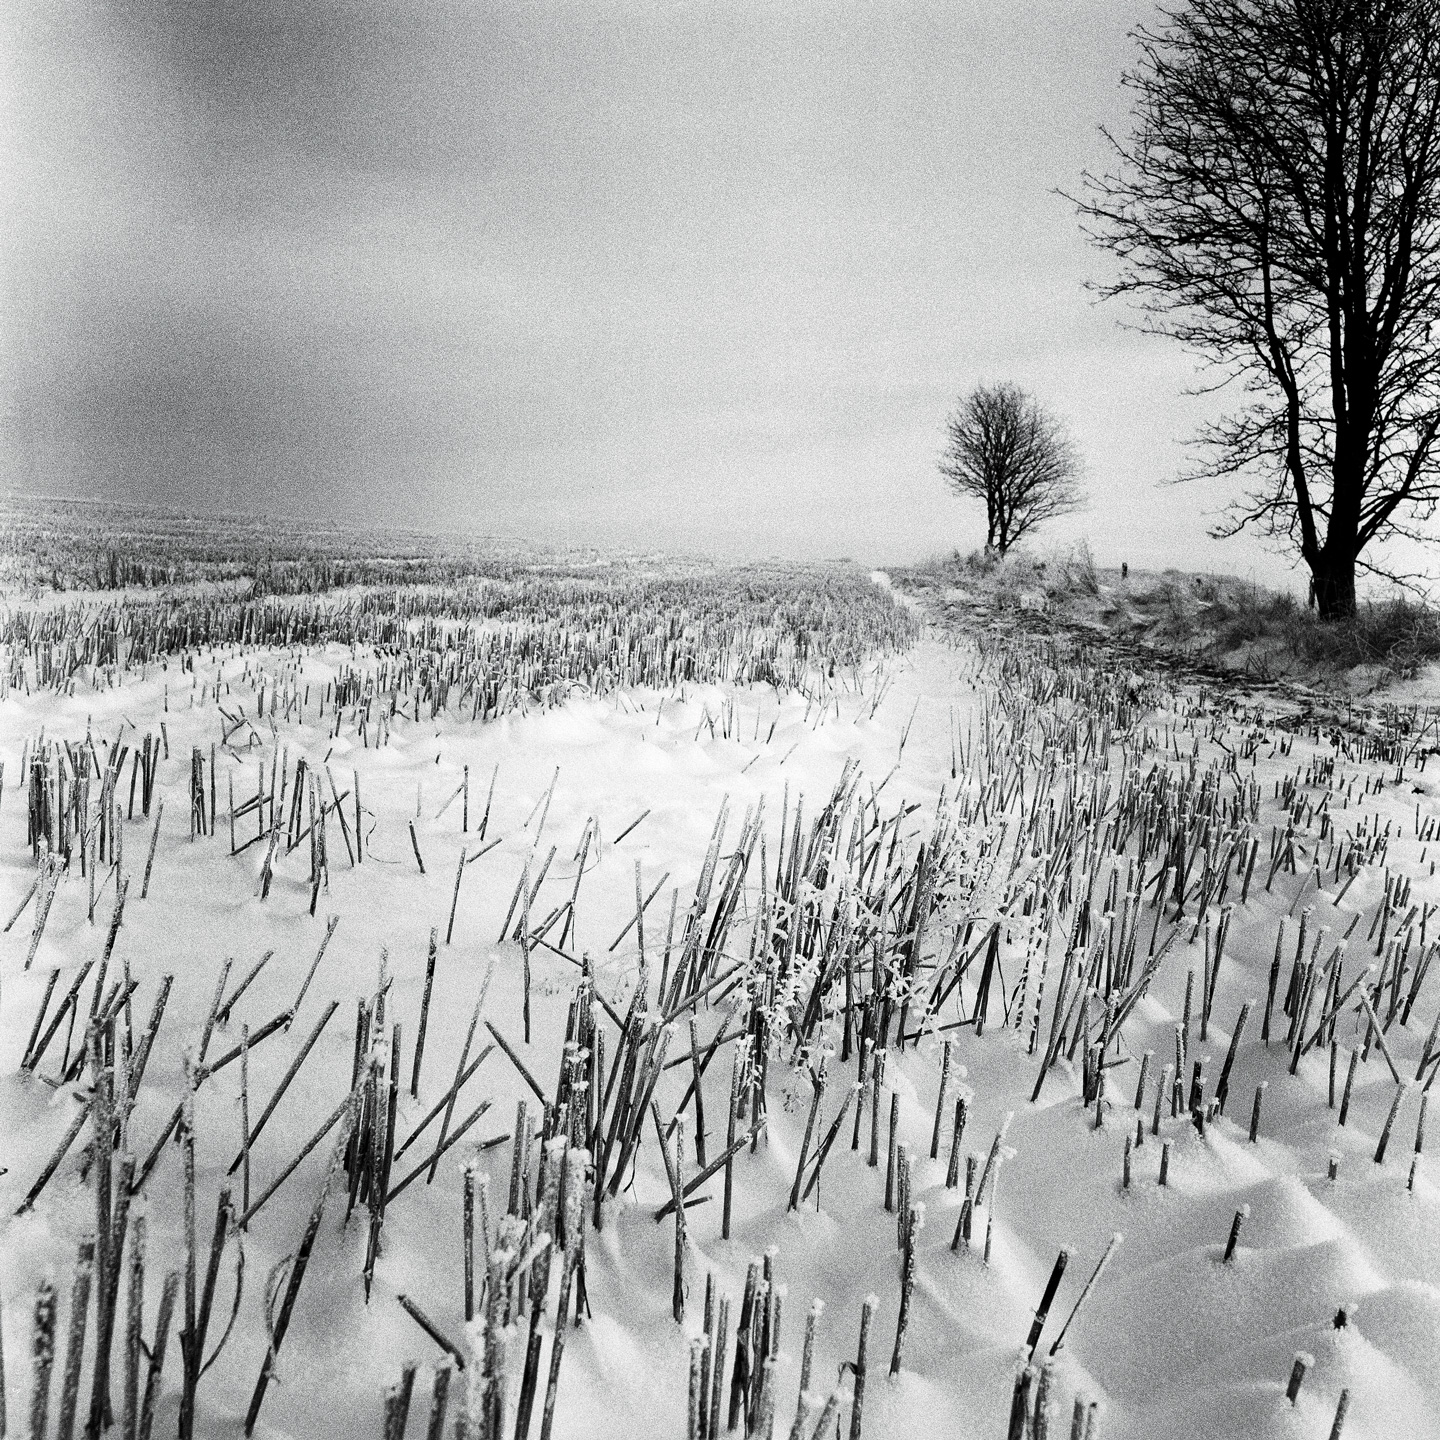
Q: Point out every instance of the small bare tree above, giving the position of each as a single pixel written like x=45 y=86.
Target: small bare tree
x=1007 y=451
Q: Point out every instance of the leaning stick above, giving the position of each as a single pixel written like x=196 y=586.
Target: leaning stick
x=1400 y=1092
x=222 y=1016
x=629 y=828
x=431 y=1329
x=485 y=849
x=1042 y=1311
x=823 y=1152
x=346 y=1107
x=37 y=1053
x=455 y=895
x=330 y=925
x=150 y=855
x=20 y=908
x=1115 y=1240
x=424 y=1015
x=447 y=1143
x=209 y=1029
x=284 y=1085
x=460 y=1068
x=42 y=912
x=269 y=1028
x=157 y=1354
x=147 y=1040
x=440 y=1104
x=716 y=1164
x=45 y=1005
x=630 y=923
x=302 y=1258
x=1379 y=1034
x=54 y=1163
x=519 y=1064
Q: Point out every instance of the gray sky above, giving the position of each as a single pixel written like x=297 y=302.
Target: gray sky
x=685 y=275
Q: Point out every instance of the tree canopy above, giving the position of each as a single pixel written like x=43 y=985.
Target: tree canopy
x=1004 y=449
x=1277 y=208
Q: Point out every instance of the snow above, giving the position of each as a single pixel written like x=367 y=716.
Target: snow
x=1171 y=1342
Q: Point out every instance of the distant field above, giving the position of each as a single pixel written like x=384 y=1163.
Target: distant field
x=98 y=545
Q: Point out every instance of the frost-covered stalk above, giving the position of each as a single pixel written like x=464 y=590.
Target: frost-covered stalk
x=455 y=895
x=698 y=1346
x=439 y=1399
x=894 y=1144
x=737 y=1072
x=1234 y=1238
x=1341 y=1408
x=424 y=1014
x=916 y=1218
x=744 y=1346
x=717 y=1367
x=940 y=1102
x=150 y=854
x=134 y=1323
x=1019 y=1426
x=1303 y=1362
x=857 y=1404
x=107 y=1299
x=468 y=1239
x=807 y=1355
x=576 y=1162
x=877 y=1085
x=157 y=1354
x=1400 y=1092
x=1042 y=1310
x=525 y=1404
x=1349 y=1085
x=43 y=1353
x=677 y=1299
x=75 y=1346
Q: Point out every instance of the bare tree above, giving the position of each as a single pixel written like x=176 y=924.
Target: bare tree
x=1277 y=208
x=1005 y=450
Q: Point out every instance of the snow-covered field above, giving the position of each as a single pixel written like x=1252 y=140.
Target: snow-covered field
x=1011 y=768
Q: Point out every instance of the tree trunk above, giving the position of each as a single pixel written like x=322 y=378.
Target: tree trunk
x=1333 y=576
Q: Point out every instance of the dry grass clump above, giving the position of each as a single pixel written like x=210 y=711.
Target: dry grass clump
x=1075 y=572
x=1251 y=614
x=1399 y=635
x=1222 y=619
x=1021 y=580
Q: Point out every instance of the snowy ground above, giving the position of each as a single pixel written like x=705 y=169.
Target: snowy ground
x=1171 y=1342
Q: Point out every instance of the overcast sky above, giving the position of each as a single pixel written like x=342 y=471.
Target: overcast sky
x=702 y=276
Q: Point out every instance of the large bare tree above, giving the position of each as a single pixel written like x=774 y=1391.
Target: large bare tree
x=1006 y=450
x=1277 y=208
